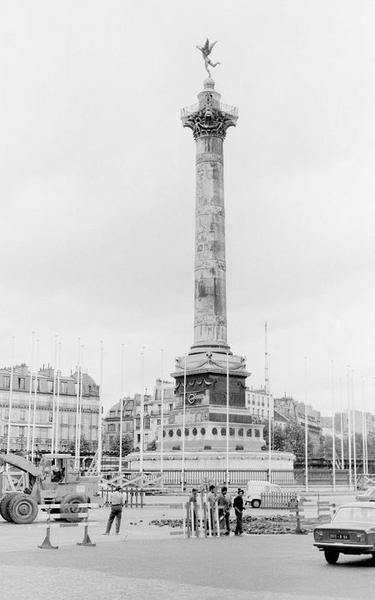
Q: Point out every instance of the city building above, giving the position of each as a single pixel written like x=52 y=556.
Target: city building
x=259 y=404
x=296 y=412
x=359 y=419
x=131 y=420
x=29 y=391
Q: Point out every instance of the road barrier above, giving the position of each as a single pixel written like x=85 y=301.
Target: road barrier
x=278 y=499
x=201 y=520
x=134 y=496
x=46 y=543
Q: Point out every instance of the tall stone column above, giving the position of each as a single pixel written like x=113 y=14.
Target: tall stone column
x=209 y=121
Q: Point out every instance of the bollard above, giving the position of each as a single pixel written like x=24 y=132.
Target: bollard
x=86 y=538
x=188 y=524
x=217 y=521
x=184 y=521
x=299 y=513
x=46 y=544
x=142 y=497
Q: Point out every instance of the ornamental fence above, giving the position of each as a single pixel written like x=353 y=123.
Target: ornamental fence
x=205 y=477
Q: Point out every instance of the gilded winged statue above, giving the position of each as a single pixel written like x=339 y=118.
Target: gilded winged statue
x=206 y=51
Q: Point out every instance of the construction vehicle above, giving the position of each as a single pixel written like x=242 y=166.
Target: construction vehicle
x=55 y=480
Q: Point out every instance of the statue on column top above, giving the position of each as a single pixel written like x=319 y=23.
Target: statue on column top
x=206 y=51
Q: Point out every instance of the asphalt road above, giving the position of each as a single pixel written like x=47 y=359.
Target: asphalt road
x=146 y=562
x=252 y=567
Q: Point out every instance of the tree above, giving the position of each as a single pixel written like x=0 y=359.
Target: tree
x=85 y=446
x=278 y=437
x=127 y=445
x=289 y=439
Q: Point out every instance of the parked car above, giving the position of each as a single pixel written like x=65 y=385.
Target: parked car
x=255 y=489
x=368 y=495
x=352 y=531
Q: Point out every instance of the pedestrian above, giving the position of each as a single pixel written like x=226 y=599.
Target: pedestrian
x=211 y=502
x=116 y=502
x=238 y=506
x=224 y=505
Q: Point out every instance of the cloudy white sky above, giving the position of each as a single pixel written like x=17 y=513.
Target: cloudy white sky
x=97 y=184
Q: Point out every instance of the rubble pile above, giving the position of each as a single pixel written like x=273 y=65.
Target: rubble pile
x=271 y=525
x=167 y=522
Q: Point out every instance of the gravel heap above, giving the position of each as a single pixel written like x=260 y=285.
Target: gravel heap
x=271 y=525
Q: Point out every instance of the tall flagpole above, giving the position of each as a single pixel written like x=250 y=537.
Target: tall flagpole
x=100 y=436
x=10 y=399
x=54 y=396
x=58 y=378
x=121 y=410
x=142 y=412
x=354 y=432
x=79 y=434
x=183 y=432
x=349 y=427
x=162 y=419
x=333 y=428
x=35 y=398
x=363 y=427
x=268 y=398
x=29 y=413
x=341 y=424
x=306 y=434
x=76 y=464
x=227 y=415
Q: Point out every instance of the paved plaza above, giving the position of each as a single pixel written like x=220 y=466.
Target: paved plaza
x=149 y=562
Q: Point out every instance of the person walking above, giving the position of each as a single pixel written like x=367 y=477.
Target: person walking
x=238 y=506
x=117 y=502
x=224 y=505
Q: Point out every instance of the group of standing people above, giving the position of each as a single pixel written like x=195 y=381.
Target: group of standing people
x=224 y=503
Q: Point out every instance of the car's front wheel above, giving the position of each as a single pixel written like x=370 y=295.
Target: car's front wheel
x=255 y=503
x=331 y=556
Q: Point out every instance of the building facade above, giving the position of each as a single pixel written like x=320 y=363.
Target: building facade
x=29 y=391
x=131 y=417
x=259 y=404
x=296 y=412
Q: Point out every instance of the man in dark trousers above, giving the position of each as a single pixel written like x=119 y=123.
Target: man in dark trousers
x=117 y=503
x=238 y=506
x=224 y=504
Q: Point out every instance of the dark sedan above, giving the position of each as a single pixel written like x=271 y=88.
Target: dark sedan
x=352 y=531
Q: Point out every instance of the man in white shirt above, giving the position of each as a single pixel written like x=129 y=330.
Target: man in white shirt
x=117 y=502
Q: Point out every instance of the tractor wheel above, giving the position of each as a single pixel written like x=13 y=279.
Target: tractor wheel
x=22 y=509
x=70 y=509
x=4 y=505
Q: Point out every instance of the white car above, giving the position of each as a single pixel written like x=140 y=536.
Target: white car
x=255 y=489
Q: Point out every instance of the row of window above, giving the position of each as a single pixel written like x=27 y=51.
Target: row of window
x=20 y=383
x=223 y=432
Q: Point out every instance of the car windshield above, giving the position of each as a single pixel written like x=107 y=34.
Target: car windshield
x=355 y=513
x=369 y=492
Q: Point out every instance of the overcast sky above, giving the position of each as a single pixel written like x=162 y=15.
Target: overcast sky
x=97 y=184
